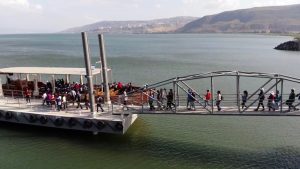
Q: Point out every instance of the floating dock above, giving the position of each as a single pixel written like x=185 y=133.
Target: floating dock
x=34 y=113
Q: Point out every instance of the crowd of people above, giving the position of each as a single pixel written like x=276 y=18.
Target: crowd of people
x=161 y=97
x=66 y=93
x=74 y=93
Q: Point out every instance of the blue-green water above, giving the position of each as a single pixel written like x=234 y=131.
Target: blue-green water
x=157 y=141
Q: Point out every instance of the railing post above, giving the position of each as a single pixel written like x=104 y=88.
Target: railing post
x=238 y=91
x=142 y=94
x=174 y=94
x=177 y=91
x=281 y=102
x=212 y=94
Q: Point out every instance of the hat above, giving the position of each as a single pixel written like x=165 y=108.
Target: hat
x=262 y=89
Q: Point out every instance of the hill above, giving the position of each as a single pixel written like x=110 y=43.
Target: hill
x=274 y=19
x=151 y=26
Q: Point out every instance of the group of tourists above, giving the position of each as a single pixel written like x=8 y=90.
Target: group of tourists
x=274 y=100
x=163 y=99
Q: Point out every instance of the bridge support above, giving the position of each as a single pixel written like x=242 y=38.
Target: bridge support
x=238 y=95
x=281 y=94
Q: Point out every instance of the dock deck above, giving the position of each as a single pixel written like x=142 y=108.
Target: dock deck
x=34 y=113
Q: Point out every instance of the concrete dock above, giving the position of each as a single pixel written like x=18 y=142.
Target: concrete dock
x=34 y=113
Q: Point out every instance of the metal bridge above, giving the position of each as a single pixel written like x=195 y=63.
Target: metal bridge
x=231 y=105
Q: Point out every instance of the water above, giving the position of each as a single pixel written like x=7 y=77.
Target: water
x=158 y=141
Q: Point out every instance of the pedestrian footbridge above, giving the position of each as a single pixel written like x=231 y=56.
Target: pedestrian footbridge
x=234 y=81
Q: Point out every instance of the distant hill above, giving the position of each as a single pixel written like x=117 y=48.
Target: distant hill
x=275 y=19
x=151 y=26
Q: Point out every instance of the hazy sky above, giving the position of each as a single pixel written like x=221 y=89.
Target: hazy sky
x=24 y=16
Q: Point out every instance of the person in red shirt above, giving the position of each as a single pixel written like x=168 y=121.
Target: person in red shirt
x=207 y=98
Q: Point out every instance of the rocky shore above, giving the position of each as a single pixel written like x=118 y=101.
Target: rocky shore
x=290 y=45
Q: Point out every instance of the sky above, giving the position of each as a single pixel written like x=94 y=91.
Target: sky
x=47 y=16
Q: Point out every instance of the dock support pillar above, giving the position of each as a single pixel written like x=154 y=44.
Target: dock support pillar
x=212 y=94
x=89 y=75
x=104 y=69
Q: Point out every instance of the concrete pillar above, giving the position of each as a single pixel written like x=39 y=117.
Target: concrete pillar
x=104 y=69
x=89 y=74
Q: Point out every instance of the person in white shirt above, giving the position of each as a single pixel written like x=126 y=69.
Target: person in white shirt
x=44 y=96
x=219 y=99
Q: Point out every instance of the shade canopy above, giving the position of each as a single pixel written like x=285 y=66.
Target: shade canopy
x=48 y=70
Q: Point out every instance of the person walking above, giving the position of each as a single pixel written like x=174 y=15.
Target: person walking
x=189 y=99
x=78 y=100
x=218 y=100
x=27 y=95
x=207 y=98
x=261 y=97
x=271 y=101
x=170 y=98
x=277 y=100
x=291 y=100
x=244 y=98
x=99 y=101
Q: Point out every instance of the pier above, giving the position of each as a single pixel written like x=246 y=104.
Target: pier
x=121 y=109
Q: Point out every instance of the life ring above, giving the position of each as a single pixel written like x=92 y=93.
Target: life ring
x=72 y=122
x=119 y=126
x=87 y=124
x=43 y=120
x=32 y=118
x=100 y=124
x=8 y=115
x=59 y=122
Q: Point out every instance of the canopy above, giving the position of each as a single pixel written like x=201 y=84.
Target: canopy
x=48 y=70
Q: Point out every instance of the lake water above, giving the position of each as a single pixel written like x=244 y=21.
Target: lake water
x=158 y=141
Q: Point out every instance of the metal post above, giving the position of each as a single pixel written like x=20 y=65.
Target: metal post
x=177 y=91
x=276 y=85
x=212 y=94
x=238 y=92
x=174 y=94
x=281 y=102
x=142 y=94
x=89 y=75
x=104 y=69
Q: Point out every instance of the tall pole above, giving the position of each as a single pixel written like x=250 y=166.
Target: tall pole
x=89 y=75
x=104 y=69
